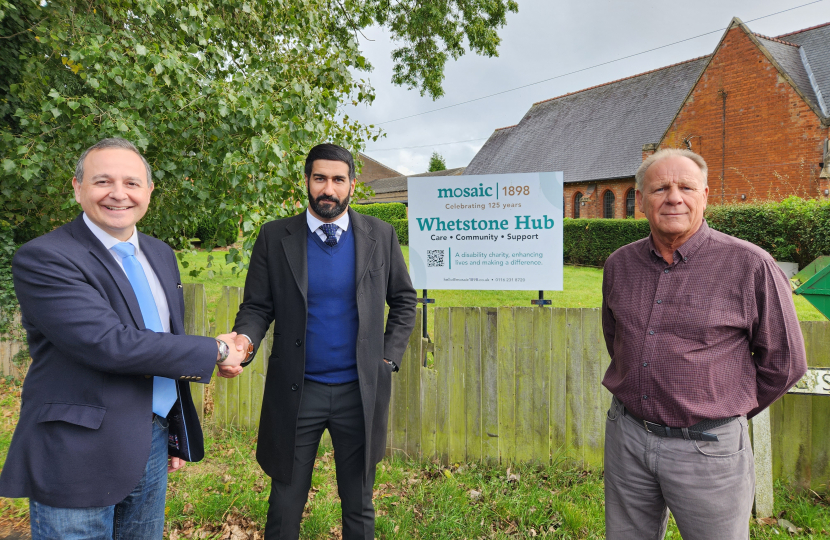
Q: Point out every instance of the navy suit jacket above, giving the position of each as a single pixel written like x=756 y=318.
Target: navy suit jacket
x=83 y=438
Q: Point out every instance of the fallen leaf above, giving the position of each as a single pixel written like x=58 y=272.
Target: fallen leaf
x=188 y=508
x=787 y=526
x=475 y=495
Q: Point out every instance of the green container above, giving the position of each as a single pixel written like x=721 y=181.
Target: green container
x=816 y=289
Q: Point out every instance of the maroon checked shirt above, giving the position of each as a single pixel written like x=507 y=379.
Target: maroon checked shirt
x=712 y=335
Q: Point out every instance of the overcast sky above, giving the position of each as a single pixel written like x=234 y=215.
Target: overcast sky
x=548 y=39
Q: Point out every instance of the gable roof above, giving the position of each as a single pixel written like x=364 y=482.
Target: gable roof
x=788 y=56
x=814 y=46
x=595 y=133
x=373 y=169
x=399 y=183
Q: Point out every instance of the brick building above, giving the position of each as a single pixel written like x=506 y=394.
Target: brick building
x=371 y=170
x=757 y=109
x=394 y=189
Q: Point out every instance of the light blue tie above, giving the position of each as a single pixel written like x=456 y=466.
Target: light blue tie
x=164 y=389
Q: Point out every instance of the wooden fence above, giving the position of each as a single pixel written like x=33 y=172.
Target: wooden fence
x=508 y=385
x=10 y=363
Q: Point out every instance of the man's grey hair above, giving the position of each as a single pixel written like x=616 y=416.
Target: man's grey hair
x=111 y=142
x=664 y=153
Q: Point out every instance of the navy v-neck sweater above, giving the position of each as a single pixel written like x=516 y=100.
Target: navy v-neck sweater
x=331 y=330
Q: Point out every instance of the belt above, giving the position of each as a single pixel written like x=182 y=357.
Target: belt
x=696 y=432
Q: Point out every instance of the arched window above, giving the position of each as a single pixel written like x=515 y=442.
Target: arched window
x=608 y=204
x=577 y=204
x=629 y=203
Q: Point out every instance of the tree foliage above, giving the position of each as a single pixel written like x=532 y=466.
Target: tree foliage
x=224 y=97
x=437 y=163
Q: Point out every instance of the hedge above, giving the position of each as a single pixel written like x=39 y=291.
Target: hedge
x=591 y=241
x=794 y=230
x=385 y=211
x=392 y=213
x=402 y=230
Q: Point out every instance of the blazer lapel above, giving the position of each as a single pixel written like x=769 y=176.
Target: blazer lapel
x=82 y=233
x=167 y=279
x=364 y=244
x=295 y=246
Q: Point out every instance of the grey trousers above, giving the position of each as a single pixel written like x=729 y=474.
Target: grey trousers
x=708 y=486
x=340 y=409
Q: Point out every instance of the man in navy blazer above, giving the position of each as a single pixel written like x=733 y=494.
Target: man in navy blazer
x=106 y=410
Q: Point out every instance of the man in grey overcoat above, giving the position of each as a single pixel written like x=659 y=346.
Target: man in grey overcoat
x=324 y=278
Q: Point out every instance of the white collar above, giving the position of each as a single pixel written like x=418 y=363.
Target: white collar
x=314 y=223
x=106 y=238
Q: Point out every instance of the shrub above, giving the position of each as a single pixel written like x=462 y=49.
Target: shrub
x=207 y=231
x=385 y=211
x=8 y=300
x=402 y=230
x=591 y=241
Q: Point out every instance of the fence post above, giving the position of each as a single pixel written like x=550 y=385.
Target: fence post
x=762 y=449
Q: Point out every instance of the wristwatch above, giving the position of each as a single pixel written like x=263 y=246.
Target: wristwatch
x=224 y=351
x=250 y=349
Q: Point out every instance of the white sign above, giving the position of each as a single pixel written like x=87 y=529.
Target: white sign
x=497 y=232
x=815 y=382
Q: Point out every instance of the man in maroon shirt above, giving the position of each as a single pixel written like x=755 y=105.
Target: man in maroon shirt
x=702 y=333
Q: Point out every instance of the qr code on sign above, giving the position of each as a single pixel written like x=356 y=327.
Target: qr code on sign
x=435 y=257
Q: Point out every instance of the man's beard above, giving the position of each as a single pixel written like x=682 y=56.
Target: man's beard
x=328 y=212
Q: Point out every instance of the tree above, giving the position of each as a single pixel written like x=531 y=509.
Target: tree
x=437 y=163
x=224 y=97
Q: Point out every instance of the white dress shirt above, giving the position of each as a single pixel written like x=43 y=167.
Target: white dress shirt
x=314 y=225
x=155 y=284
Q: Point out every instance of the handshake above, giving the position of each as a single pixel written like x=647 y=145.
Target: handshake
x=235 y=350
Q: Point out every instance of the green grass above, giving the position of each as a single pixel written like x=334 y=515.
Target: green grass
x=422 y=499
x=582 y=288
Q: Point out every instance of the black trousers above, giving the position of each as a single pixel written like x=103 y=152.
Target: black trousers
x=339 y=409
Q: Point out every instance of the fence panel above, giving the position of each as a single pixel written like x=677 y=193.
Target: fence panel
x=525 y=412
x=558 y=380
x=456 y=417
x=575 y=425
x=506 y=385
x=442 y=364
x=10 y=366
x=429 y=412
x=196 y=324
x=232 y=404
x=489 y=385
x=541 y=384
x=817 y=335
x=593 y=399
x=412 y=369
x=472 y=382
